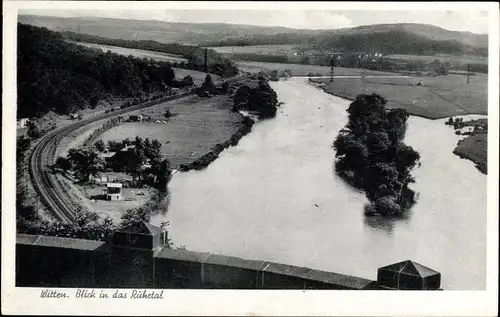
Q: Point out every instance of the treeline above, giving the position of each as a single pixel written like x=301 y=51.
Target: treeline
x=113 y=122
x=53 y=75
x=372 y=156
x=259 y=98
x=195 y=56
x=388 y=41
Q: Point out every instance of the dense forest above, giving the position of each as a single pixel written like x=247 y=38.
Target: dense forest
x=372 y=156
x=53 y=75
x=195 y=55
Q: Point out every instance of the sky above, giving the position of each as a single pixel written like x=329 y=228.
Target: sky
x=466 y=20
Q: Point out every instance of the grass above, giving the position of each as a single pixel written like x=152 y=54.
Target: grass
x=197 y=125
x=441 y=57
x=436 y=97
x=135 y=52
x=474 y=148
x=304 y=70
x=255 y=49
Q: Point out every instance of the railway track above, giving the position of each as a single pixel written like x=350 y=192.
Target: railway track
x=51 y=193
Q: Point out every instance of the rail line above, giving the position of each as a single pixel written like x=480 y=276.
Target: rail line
x=51 y=193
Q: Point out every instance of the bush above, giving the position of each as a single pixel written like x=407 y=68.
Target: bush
x=63 y=163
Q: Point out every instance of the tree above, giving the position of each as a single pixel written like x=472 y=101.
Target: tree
x=163 y=176
x=94 y=101
x=99 y=145
x=225 y=87
x=135 y=215
x=85 y=162
x=187 y=81
x=33 y=131
x=63 y=163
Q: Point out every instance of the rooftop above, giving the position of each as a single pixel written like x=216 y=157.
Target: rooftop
x=114 y=185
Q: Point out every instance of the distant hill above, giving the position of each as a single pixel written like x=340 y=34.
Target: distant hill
x=164 y=32
x=402 y=38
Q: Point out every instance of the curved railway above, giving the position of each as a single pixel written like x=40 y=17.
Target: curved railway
x=51 y=193
x=42 y=158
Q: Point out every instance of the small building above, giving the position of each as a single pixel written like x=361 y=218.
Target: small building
x=113 y=191
x=141 y=235
x=408 y=275
x=75 y=116
x=136 y=118
x=21 y=123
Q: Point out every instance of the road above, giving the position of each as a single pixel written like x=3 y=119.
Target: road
x=49 y=189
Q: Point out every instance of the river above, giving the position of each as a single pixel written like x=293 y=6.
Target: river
x=276 y=197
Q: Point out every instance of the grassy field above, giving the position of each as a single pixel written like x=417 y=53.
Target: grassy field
x=440 y=57
x=435 y=97
x=474 y=148
x=254 y=49
x=135 y=52
x=304 y=70
x=197 y=125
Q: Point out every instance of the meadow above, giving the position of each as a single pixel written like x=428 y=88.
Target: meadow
x=254 y=49
x=197 y=124
x=135 y=53
x=429 y=97
x=304 y=70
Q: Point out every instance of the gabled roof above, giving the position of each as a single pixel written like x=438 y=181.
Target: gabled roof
x=409 y=267
x=142 y=228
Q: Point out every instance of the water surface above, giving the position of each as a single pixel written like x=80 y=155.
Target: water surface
x=276 y=197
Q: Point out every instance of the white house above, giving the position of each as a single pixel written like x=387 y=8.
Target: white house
x=113 y=191
x=21 y=123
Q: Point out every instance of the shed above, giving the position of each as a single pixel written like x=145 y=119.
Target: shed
x=136 y=118
x=140 y=235
x=113 y=191
x=408 y=275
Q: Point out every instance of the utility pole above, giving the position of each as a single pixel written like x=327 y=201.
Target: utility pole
x=332 y=71
x=468 y=72
x=206 y=60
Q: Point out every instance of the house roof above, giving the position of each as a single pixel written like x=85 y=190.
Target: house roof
x=409 y=267
x=114 y=185
x=142 y=227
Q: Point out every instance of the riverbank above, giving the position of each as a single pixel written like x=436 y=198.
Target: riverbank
x=278 y=185
x=428 y=97
x=213 y=154
x=423 y=103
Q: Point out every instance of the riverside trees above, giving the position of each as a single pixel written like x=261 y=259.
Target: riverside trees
x=261 y=99
x=372 y=156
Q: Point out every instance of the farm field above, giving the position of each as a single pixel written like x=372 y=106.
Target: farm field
x=254 y=49
x=196 y=126
x=441 y=57
x=435 y=97
x=304 y=70
x=135 y=52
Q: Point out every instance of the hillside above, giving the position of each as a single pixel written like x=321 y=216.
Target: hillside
x=164 y=32
x=388 y=39
x=403 y=38
x=53 y=75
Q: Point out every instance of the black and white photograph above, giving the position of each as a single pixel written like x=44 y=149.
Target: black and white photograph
x=164 y=146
